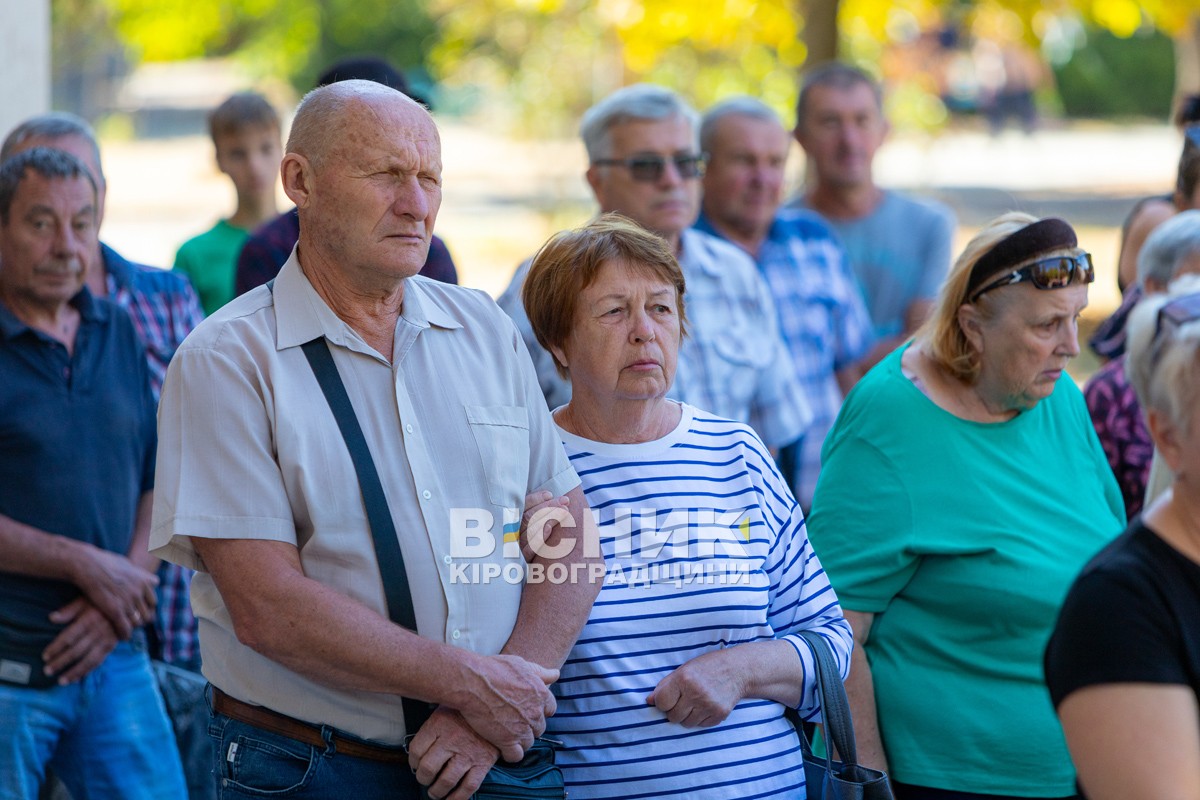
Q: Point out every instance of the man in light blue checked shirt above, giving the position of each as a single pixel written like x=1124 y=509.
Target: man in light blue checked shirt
x=824 y=321
x=645 y=163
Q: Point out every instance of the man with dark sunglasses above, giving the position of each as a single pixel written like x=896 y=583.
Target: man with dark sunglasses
x=646 y=163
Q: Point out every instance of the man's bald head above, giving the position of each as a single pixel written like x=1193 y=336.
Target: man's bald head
x=327 y=112
x=364 y=168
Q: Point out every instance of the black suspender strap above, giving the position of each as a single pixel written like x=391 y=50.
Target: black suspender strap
x=383 y=531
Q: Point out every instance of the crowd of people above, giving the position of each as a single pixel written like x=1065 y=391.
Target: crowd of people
x=407 y=533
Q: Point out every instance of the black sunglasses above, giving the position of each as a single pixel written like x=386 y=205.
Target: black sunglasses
x=1177 y=312
x=1048 y=273
x=650 y=168
x=1174 y=314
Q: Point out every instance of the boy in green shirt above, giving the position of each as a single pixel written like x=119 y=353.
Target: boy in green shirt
x=246 y=134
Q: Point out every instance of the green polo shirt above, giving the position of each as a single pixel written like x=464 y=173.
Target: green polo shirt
x=210 y=262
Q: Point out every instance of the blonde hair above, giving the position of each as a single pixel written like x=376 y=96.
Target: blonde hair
x=942 y=337
x=568 y=263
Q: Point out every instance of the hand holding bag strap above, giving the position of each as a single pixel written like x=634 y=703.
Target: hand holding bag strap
x=835 y=708
x=536 y=775
x=831 y=780
x=383 y=531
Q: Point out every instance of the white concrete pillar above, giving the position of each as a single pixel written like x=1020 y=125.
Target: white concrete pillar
x=24 y=61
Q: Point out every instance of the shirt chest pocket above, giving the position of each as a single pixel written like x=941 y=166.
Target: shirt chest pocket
x=502 y=437
x=736 y=363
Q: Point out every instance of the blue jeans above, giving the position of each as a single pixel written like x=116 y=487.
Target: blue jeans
x=106 y=736
x=252 y=762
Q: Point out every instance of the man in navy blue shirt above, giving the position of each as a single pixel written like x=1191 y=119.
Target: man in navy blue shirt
x=77 y=440
x=164 y=309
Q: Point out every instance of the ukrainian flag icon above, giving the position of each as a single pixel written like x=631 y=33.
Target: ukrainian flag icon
x=512 y=533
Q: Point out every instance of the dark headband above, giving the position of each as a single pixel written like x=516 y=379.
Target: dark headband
x=1034 y=239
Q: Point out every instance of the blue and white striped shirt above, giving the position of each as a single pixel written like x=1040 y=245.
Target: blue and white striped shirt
x=705 y=548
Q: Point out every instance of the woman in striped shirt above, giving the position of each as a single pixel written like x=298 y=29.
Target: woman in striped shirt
x=678 y=683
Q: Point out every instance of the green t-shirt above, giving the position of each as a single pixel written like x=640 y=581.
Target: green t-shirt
x=962 y=538
x=210 y=261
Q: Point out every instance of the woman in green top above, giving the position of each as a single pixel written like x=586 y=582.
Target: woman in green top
x=961 y=491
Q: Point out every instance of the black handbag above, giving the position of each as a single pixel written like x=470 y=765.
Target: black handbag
x=535 y=776
x=828 y=779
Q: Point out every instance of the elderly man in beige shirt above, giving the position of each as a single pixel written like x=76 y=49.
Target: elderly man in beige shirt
x=257 y=491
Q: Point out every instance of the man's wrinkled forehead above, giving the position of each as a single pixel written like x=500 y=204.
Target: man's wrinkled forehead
x=395 y=127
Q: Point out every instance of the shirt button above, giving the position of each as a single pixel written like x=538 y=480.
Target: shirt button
x=447 y=559
x=408 y=428
x=457 y=634
x=426 y=494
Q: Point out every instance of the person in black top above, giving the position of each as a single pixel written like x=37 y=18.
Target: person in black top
x=1123 y=664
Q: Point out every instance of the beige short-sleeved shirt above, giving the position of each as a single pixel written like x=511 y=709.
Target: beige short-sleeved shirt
x=249 y=449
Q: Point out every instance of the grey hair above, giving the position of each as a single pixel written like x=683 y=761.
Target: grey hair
x=743 y=106
x=1165 y=373
x=836 y=75
x=45 y=161
x=1168 y=246
x=54 y=125
x=642 y=101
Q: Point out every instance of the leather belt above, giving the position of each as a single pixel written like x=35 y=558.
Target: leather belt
x=303 y=732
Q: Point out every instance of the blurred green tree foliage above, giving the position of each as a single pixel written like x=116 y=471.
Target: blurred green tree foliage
x=547 y=60
x=541 y=62
x=295 y=39
x=554 y=58
x=1116 y=77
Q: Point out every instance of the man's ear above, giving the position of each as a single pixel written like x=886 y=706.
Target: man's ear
x=297 y=174
x=972 y=325
x=596 y=183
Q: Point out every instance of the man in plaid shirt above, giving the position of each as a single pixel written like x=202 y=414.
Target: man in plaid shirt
x=822 y=316
x=164 y=309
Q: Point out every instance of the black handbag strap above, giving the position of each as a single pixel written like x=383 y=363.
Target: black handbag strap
x=383 y=531
x=835 y=708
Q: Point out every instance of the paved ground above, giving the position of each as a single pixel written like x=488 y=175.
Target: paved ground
x=503 y=198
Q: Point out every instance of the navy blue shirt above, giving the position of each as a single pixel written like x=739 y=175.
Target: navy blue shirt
x=77 y=443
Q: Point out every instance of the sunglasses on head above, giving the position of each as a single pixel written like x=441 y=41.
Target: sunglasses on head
x=1179 y=311
x=650 y=168
x=1174 y=314
x=1047 y=273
